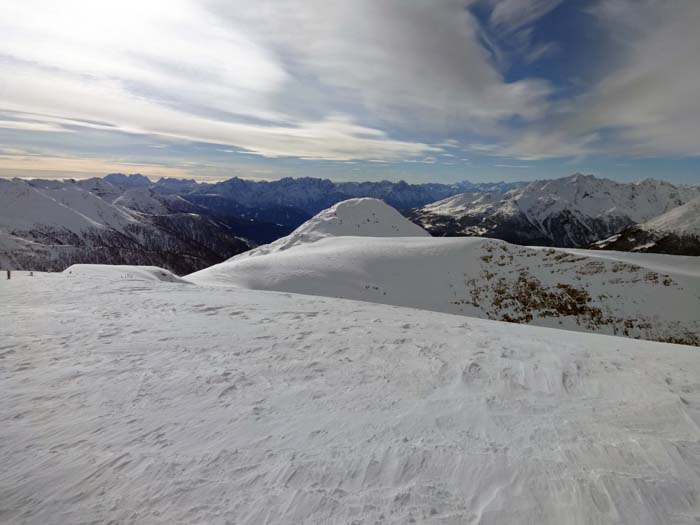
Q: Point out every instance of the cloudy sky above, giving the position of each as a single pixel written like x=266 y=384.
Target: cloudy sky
x=421 y=90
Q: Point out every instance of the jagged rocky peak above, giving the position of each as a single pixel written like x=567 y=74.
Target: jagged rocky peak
x=131 y=180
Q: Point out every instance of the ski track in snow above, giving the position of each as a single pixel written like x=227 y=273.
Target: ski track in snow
x=127 y=400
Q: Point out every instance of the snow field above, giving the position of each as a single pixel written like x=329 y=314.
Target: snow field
x=148 y=401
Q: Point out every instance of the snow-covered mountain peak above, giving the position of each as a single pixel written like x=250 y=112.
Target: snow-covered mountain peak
x=134 y=180
x=466 y=203
x=49 y=226
x=571 y=211
x=590 y=196
x=364 y=217
x=73 y=209
x=683 y=220
x=361 y=217
x=147 y=200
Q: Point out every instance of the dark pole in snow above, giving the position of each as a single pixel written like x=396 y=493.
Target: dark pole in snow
x=8 y=275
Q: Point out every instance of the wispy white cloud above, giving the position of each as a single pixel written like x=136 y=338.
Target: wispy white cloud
x=513 y=15
x=344 y=81
x=240 y=73
x=23 y=125
x=513 y=166
x=650 y=102
x=645 y=106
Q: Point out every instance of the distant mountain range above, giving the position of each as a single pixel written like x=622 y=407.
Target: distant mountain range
x=181 y=225
x=573 y=211
x=184 y=225
x=50 y=225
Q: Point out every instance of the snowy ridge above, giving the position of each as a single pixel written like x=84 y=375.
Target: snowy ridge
x=466 y=203
x=49 y=225
x=573 y=211
x=110 y=272
x=589 y=196
x=675 y=232
x=356 y=217
x=683 y=220
x=23 y=206
x=156 y=402
x=147 y=200
x=481 y=278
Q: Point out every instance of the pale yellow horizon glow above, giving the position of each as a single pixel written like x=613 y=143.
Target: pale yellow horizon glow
x=54 y=167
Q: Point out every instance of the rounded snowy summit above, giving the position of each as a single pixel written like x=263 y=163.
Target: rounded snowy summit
x=364 y=217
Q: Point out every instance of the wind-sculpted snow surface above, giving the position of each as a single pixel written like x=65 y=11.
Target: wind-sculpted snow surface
x=154 y=402
x=483 y=278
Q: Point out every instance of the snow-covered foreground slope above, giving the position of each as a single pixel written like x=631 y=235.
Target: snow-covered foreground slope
x=152 y=402
x=482 y=278
x=363 y=217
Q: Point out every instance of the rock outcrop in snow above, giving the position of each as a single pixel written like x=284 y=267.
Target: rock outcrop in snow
x=572 y=211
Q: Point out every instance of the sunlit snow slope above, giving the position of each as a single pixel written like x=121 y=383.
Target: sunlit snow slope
x=477 y=278
x=354 y=217
x=123 y=271
x=676 y=231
